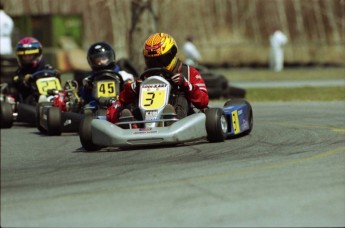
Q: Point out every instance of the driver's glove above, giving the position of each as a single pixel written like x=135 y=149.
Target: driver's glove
x=27 y=79
x=15 y=79
x=106 y=101
x=111 y=101
x=135 y=86
x=87 y=83
x=182 y=82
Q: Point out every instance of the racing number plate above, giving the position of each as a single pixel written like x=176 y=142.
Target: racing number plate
x=45 y=84
x=153 y=98
x=106 y=89
x=235 y=122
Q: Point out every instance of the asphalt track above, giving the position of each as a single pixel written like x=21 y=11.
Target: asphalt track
x=290 y=171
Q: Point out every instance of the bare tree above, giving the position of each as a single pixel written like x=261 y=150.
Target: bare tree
x=143 y=24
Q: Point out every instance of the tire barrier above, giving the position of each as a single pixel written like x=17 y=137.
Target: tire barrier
x=218 y=86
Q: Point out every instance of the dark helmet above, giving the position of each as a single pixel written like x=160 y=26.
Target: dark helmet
x=29 y=52
x=101 y=56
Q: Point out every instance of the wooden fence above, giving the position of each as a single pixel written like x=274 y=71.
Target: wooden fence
x=227 y=31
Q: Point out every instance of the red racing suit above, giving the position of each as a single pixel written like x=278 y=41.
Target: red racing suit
x=196 y=93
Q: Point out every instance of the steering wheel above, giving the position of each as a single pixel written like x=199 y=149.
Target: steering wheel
x=99 y=75
x=44 y=73
x=157 y=71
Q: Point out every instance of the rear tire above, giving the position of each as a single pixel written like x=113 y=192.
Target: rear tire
x=6 y=115
x=85 y=134
x=54 y=121
x=216 y=125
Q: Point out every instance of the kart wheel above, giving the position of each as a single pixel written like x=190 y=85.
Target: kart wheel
x=249 y=113
x=216 y=125
x=6 y=115
x=85 y=134
x=54 y=121
x=101 y=112
x=39 y=115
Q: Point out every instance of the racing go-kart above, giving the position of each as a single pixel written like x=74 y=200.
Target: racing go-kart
x=159 y=127
x=24 y=110
x=58 y=111
x=65 y=112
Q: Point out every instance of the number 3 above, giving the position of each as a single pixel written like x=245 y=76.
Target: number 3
x=150 y=99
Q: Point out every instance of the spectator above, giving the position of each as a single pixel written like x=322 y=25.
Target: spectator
x=191 y=53
x=6 y=29
x=277 y=40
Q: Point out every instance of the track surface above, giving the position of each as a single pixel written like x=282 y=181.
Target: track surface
x=290 y=171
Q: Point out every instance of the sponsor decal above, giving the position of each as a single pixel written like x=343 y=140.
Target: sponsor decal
x=244 y=125
x=145 y=129
x=235 y=122
x=151 y=115
x=154 y=86
x=144 y=132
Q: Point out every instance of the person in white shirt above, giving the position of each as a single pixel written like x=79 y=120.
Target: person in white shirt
x=6 y=29
x=191 y=53
x=277 y=40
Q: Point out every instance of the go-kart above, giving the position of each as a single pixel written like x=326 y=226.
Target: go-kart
x=159 y=127
x=59 y=110
x=65 y=111
x=107 y=84
x=24 y=110
x=7 y=107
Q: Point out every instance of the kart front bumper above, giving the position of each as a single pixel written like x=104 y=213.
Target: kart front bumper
x=187 y=129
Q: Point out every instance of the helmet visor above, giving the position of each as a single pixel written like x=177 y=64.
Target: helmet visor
x=101 y=59
x=159 y=61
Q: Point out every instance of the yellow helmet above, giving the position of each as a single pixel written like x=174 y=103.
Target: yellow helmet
x=160 y=51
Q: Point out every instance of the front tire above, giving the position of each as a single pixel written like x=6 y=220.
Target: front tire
x=54 y=121
x=6 y=115
x=39 y=113
x=85 y=134
x=216 y=125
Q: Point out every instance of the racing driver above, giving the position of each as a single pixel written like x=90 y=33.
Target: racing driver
x=160 y=51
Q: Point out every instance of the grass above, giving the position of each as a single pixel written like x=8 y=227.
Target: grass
x=246 y=74
x=289 y=74
x=297 y=94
